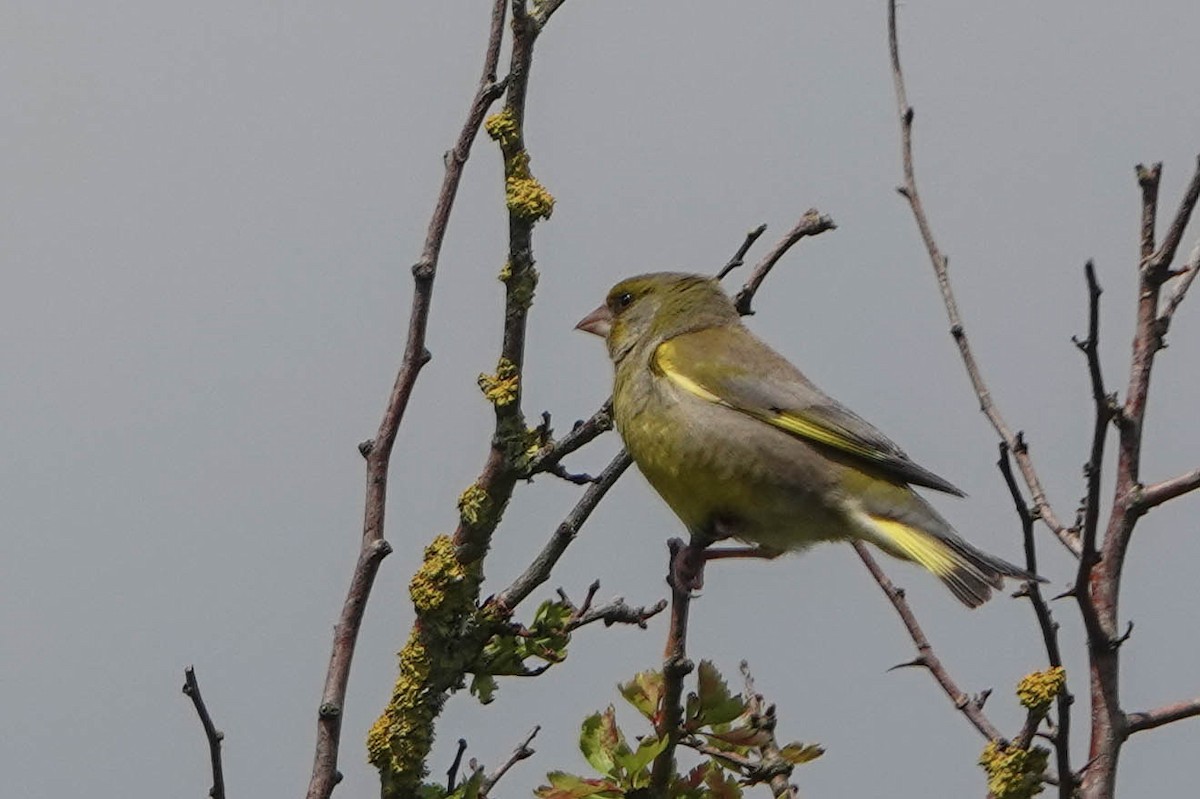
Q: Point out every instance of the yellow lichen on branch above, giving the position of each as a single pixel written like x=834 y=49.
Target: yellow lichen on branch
x=502 y=387
x=1013 y=773
x=1038 y=689
x=527 y=198
x=443 y=594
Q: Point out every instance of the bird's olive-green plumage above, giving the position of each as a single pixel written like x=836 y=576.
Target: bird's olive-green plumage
x=739 y=443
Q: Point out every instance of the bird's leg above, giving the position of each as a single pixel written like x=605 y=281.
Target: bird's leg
x=687 y=560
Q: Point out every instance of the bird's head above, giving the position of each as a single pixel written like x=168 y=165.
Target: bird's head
x=649 y=309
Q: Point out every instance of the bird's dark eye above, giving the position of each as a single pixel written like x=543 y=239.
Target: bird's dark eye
x=623 y=300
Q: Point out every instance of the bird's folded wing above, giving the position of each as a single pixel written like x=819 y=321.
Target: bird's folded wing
x=729 y=366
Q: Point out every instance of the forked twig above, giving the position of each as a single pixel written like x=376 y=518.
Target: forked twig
x=941 y=269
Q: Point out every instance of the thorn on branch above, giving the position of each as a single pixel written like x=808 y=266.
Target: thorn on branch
x=1117 y=643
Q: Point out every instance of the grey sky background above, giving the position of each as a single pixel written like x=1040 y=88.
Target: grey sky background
x=208 y=215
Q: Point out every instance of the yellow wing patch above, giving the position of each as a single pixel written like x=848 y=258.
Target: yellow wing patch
x=664 y=360
x=667 y=365
x=815 y=432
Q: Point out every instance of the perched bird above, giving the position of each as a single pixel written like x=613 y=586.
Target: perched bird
x=742 y=445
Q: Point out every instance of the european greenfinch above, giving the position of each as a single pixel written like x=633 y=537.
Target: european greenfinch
x=741 y=445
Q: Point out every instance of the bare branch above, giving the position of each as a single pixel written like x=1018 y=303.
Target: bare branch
x=538 y=571
x=1103 y=415
x=1148 y=179
x=1149 y=719
x=1049 y=627
x=618 y=612
x=972 y=709
x=1152 y=496
x=191 y=688
x=378 y=451
x=812 y=223
x=522 y=752
x=676 y=666
x=584 y=432
x=739 y=257
x=941 y=266
x=1104 y=581
x=1165 y=254
x=452 y=772
x=1186 y=275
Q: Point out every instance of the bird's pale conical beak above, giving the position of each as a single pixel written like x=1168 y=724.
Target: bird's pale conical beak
x=598 y=322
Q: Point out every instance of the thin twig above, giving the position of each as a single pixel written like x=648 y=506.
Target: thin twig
x=812 y=223
x=452 y=772
x=739 y=257
x=538 y=571
x=1104 y=405
x=941 y=267
x=584 y=432
x=378 y=450
x=780 y=783
x=972 y=709
x=618 y=612
x=1049 y=628
x=191 y=688
x=1187 y=276
x=522 y=752
x=1162 y=258
x=1149 y=719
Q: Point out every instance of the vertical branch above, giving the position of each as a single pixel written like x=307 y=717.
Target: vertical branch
x=676 y=666
x=450 y=630
x=377 y=451
x=1049 y=628
x=214 y=736
x=1104 y=408
x=1110 y=726
x=527 y=202
x=941 y=269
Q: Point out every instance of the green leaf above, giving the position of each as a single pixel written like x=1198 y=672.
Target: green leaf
x=798 y=753
x=715 y=703
x=636 y=763
x=722 y=785
x=570 y=786
x=595 y=743
x=470 y=788
x=552 y=615
x=484 y=686
x=429 y=790
x=644 y=692
x=739 y=737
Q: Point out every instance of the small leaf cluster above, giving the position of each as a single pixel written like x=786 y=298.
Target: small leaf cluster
x=506 y=653
x=723 y=727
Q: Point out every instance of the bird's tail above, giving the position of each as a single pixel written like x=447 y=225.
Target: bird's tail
x=969 y=573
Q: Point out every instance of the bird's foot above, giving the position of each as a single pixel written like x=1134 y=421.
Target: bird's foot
x=687 y=565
